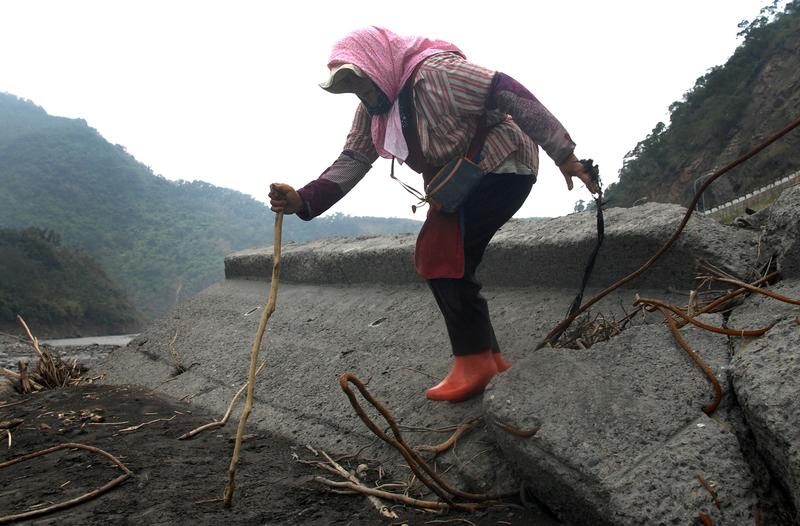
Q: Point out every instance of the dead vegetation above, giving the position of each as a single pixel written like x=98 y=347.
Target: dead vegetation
x=49 y=372
x=177 y=366
x=71 y=502
x=591 y=328
x=426 y=489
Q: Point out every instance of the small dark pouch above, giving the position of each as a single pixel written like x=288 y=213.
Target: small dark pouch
x=456 y=180
x=453 y=183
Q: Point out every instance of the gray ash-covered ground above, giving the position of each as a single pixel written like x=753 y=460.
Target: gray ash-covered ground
x=171 y=476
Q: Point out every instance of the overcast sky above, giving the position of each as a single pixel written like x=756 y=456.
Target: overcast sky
x=226 y=92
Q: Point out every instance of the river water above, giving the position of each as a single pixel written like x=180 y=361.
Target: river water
x=117 y=340
x=87 y=351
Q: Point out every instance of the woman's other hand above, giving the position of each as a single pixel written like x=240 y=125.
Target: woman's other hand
x=572 y=167
x=284 y=198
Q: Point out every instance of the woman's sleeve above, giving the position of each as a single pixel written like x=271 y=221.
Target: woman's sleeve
x=511 y=97
x=339 y=178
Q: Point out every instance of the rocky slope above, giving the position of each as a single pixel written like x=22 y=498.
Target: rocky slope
x=730 y=110
x=622 y=436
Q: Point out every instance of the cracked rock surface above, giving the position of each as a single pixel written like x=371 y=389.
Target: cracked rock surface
x=622 y=435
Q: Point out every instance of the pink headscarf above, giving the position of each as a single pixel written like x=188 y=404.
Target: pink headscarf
x=389 y=60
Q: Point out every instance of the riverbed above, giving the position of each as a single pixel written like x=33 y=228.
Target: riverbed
x=87 y=351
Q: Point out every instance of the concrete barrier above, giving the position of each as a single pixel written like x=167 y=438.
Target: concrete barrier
x=535 y=252
x=622 y=435
x=784 y=182
x=766 y=376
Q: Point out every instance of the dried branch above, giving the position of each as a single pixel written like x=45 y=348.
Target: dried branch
x=447 y=521
x=705 y=518
x=176 y=358
x=226 y=416
x=11 y=423
x=711 y=406
x=717 y=303
x=522 y=433
x=337 y=468
x=33 y=340
x=72 y=502
x=408 y=501
x=134 y=428
x=11 y=375
x=710 y=490
x=416 y=463
x=719 y=330
x=251 y=377
x=590 y=331
x=759 y=290
x=18 y=402
x=50 y=371
x=561 y=327
x=25 y=386
x=447 y=444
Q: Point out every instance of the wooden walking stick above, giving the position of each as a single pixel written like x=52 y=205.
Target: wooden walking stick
x=251 y=376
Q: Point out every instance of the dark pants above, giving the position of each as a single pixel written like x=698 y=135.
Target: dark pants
x=466 y=313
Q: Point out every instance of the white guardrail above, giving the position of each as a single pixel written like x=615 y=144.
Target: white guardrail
x=786 y=181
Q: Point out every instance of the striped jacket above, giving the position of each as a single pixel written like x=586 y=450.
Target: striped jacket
x=450 y=95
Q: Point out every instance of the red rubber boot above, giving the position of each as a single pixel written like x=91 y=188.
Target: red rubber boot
x=468 y=377
x=502 y=365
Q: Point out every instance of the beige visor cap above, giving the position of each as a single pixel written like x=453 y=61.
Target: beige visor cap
x=345 y=78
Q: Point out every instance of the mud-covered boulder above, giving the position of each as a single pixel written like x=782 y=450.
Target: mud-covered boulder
x=622 y=436
x=766 y=379
x=782 y=232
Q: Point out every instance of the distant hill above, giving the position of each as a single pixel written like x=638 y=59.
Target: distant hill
x=160 y=240
x=730 y=110
x=57 y=290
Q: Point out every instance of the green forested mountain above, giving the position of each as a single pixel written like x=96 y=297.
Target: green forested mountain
x=160 y=240
x=730 y=110
x=53 y=288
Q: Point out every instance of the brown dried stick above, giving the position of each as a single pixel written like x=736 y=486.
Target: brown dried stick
x=407 y=454
x=711 y=406
x=415 y=462
x=50 y=370
x=251 y=376
x=15 y=376
x=34 y=341
x=83 y=498
x=219 y=423
x=11 y=423
x=8 y=373
x=710 y=490
x=408 y=501
x=719 y=330
x=337 y=468
x=12 y=403
x=176 y=358
x=722 y=299
x=759 y=290
x=139 y=426
x=447 y=444
x=522 y=433
x=562 y=326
